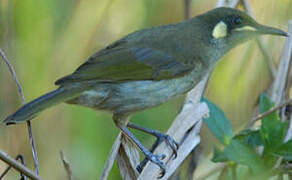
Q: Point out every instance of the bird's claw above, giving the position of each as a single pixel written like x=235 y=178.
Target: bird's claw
x=172 y=144
x=160 y=138
x=156 y=159
x=170 y=141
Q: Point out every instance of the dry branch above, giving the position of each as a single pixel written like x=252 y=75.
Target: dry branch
x=66 y=166
x=261 y=116
x=278 y=88
x=20 y=91
x=19 y=167
x=12 y=72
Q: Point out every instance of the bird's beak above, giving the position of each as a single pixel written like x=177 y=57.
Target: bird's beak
x=261 y=29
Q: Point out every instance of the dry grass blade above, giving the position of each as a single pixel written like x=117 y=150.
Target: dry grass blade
x=128 y=159
x=111 y=158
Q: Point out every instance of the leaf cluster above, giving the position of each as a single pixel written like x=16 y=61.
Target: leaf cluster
x=251 y=153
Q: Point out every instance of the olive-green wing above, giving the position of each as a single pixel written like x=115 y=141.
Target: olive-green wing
x=127 y=64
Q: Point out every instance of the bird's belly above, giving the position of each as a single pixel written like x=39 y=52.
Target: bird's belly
x=128 y=97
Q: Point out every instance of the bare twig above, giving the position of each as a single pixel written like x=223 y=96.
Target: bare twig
x=187 y=9
x=20 y=91
x=18 y=157
x=19 y=167
x=278 y=89
x=66 y=166
x=261 y=116
x=33 y=148
x=289 y=131
x=12 y=72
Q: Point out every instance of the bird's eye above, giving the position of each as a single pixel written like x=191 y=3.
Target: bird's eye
x=237 y=20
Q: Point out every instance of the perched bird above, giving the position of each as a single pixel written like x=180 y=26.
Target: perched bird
x=149 y=67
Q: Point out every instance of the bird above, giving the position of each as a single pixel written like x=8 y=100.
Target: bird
x=147 y=68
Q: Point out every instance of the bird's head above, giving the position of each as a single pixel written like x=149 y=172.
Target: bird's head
x=230 y=27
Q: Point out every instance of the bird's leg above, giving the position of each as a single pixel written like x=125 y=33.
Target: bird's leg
x=160 y=138
x=156 y=159
x=159 y=135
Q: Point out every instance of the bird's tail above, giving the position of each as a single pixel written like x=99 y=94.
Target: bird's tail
x=33 y=108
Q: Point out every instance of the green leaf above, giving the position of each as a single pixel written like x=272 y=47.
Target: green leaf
x=273 y=131
x=243 y=154
x=285 y=150
x=219 y=156
x=252 y=138
x=219 y=125
x=265 y=105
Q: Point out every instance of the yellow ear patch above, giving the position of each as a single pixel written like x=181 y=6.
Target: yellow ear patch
x=246 y=28
x=220 y=30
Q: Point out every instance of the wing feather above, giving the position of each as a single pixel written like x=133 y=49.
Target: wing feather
x=127 y=64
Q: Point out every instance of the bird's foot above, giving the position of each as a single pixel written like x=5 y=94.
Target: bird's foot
x=160 y=138
x=169 y=140
x=149 y=156
x=156 y=159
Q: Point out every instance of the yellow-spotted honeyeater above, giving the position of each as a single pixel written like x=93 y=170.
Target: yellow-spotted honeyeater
x=148 y=67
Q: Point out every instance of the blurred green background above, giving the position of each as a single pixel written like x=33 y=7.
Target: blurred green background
x=46 y=40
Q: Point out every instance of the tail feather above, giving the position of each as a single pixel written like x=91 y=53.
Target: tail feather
x=33 y=108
